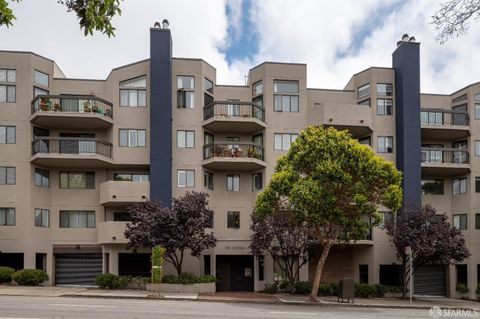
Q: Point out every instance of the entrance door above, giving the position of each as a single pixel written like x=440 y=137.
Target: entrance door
x=235 y=273
x=134 y=264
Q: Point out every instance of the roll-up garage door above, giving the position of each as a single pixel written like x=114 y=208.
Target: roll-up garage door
x=77 y=269
x=430 y=280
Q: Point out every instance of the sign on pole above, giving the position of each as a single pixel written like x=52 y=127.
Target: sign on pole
x=409 y=270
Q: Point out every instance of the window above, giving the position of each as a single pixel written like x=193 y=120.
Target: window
x=208 y=180
x=8 y=92
x=477 y=106
x=385 y=144
x=233 y=220
x=363 y=91
x=8 y=75
x=257 y=181
x=460 y=221
x=286 y=103
x=477 y=184
x=185 y=93
x=42 y=177
x=386 y=218
x=121 y=217
x=261 y=268
x=7 y=134
x=208 y=85
x=259 y=101
x=77 y=219
x=40 y=78
x=185 y=139
x=7 y=175
x=364 y=141
x=77 y=180
x=39 y=91
x=364 y=102
x=459 y=186
x=462 y=274
x=460 y=98
x=207 y=265
x=233 y=183
x=432 y=186
x=132 y=138
x=384 y=107
x=363 y=274
x=477 y=148
x=7 y=216
x=42 y=217
x=133 y=92
x=257 y=88
x=282 y=86
x=186 y=178
x=384 y=89
x=130 y=177
x=431 y=117
x=284 y=140
x=477 y=221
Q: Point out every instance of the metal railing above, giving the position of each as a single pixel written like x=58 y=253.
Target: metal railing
x=444 y=156
x=443 y=117
x=234 y=109
x=233 y=150
x=87 y=104
x=71 y=145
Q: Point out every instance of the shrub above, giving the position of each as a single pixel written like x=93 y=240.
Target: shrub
x=393 y=289
x=6 y=274
x=303 y=287
x=284 y=285
x=334 y=289
x=187 y=278
x=271 y=288
x=462 y=288
x=169 y=279
x=111 y=281
x=206 y=279
x=380 y=290
x=364 y=290
x=29 y=277
x=325 y=290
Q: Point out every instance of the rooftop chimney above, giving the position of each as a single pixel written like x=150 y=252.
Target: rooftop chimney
x=165 y=24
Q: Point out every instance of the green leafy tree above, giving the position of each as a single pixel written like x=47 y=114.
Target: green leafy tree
x=335 y=185
x=93 y=15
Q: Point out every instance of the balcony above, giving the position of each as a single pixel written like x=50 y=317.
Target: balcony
x=111 y=232
x=71 y=111
x=229 y=156
x=240 y=117
x=71 y=151
x=121 y=193
x=355 y=118
x=444 y=161
x=438 y=124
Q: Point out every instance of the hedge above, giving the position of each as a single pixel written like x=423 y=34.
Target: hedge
x=6 y=274
x=29 y=277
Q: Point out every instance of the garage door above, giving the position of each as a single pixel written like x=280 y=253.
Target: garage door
x=77 y=269
x=430 y=281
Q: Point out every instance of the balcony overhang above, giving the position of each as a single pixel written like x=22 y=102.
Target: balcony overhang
x=445 y=169
x=122 y=193
x=71 y=160
x=444 y=132
x=233 y=164
x=73 y=120
x=111 y=232
x=357 y=131
x=240 y=125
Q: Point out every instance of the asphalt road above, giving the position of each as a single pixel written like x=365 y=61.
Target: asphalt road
x=21 y=307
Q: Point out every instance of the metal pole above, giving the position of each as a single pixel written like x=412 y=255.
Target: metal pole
x=411 y=277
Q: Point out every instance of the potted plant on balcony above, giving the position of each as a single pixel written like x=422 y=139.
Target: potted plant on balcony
x=108 y=112
x=57 y=107
x=237 y=152
x=43 y=104
x=95 y=107
x=86 y=107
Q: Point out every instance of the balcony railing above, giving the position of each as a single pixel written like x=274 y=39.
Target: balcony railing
x=443 y=117
x=444 y=156
x=71 y=145
x=233 y=150
x=87 y=104
x=234 y=110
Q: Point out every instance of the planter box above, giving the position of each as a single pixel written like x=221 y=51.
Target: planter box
x=193 y=288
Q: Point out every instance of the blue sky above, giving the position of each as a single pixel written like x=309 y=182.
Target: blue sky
x=335 y=38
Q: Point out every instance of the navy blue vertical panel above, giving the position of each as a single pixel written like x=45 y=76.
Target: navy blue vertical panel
x=406 y=62
x=161 y=115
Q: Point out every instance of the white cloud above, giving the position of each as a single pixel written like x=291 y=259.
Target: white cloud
x=308 y=31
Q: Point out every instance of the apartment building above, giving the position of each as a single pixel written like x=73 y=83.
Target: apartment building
x=74 y=153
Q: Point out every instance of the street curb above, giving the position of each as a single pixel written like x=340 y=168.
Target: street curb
x=264 y=302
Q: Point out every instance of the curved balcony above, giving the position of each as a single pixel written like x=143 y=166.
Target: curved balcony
x=71 y=111
x=71 y=151
x=234 y=117
x=230 y=156
x=439 y=124
x=120 y=193
x=111 y=232
x=444 y=161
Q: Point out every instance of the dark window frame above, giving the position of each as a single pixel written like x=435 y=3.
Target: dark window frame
x=233 y=219
x=87 y=184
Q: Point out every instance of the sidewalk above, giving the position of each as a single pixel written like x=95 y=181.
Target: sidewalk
x=244 y=297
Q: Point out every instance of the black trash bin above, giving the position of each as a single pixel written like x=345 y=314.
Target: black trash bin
x=346 y=290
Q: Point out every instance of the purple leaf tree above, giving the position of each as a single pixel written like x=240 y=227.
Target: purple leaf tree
x=180 y=229
x=432 y=238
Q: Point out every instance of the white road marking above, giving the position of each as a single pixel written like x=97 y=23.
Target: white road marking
x=20 y=318
x=301 y=313
x=75 y=305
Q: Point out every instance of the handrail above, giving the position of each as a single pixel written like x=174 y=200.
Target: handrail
x=73 y=96
x=234 y=109
x=73 y=104
x=71 y=145
x=444 y=155
x=233 y=149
